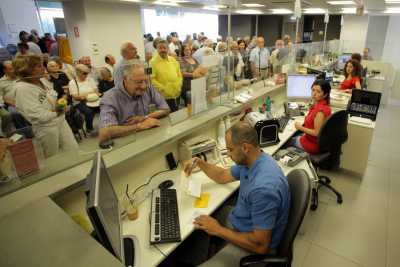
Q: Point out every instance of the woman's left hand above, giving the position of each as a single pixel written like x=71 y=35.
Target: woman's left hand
x=298 y=125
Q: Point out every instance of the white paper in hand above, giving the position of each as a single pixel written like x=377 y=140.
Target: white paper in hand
x=194 y=188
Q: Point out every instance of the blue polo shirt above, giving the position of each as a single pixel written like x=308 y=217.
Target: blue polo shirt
x=264 y=198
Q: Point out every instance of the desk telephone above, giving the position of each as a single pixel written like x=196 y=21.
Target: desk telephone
x=290 y=156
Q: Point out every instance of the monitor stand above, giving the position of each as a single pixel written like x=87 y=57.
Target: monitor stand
x=130 y=250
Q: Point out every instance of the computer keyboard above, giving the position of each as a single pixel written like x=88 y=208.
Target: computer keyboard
x=164 y=221
x=283 y=121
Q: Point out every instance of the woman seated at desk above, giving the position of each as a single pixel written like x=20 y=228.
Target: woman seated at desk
x=352 y=74
x=316 y=116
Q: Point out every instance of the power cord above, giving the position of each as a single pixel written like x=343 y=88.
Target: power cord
x=159 y=250
x=147 y=183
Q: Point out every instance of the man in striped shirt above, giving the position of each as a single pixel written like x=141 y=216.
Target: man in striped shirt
x=127 y=108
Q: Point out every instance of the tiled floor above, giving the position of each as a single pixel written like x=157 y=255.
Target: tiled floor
x=365 y=229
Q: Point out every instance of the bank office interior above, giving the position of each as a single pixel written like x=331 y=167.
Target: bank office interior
x=362 y=231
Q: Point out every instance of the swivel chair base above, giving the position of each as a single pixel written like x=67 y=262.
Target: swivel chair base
x=323 y=181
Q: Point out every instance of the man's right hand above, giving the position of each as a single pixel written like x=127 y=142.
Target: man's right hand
x=149 y=123
x=188 y=166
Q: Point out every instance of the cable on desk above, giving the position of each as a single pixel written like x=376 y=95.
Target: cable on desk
x=147 y=183
x=160 y=251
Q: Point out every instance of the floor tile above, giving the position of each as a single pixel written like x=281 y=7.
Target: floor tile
x=301 y=249
x=321 y=257
x=354 y=237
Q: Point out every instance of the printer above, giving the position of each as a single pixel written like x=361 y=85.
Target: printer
x=267 y=129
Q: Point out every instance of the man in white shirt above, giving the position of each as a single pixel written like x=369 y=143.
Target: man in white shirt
x=128 y=52
x=85 y=60
x=174 y=47
x=110 y=62
x=259 y=59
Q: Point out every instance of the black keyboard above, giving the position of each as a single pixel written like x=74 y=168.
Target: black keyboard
x=283 y=121
x=164 y=220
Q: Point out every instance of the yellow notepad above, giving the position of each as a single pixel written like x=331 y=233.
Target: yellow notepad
x=202 y=201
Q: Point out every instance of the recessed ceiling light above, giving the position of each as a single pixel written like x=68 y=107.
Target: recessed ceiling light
x=314 y=11
x=349 y=10
x=248 y=11
x=392 y=10
x=253 y=5
x=281 y=11
x=165 y=3
x=341 y=3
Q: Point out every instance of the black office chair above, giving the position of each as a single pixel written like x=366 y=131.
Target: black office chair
x=332 y=136
x=300 y=188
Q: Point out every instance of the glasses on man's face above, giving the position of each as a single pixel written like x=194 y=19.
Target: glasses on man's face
x=139 y=82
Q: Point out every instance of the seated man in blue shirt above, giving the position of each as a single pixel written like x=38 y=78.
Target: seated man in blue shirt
x=258 y=221
x=126 y=108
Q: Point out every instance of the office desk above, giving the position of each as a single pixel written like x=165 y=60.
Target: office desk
x=149 y=255
x=41 y=234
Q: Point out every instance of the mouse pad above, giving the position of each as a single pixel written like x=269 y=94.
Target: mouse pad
x=202 y=201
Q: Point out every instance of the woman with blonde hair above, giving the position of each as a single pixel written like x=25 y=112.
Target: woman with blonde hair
x=37 y=103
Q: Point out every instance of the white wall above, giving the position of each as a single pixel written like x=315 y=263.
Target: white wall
x=111 y=24
x=107 y=25
x=18 y=15
x=354 y=33
x=75 y=16
x=376 y=35
x=391 y=51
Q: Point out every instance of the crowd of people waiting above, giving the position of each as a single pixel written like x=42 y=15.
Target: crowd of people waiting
x=130 y=95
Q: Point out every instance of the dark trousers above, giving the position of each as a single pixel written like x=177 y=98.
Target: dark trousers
x=88 y=112
x=173 y=104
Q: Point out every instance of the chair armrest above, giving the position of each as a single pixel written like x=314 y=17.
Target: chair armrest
x=264 y=258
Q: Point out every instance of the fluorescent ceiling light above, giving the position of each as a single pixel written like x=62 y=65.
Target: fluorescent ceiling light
x=218 y=6
x=214 y=7
x=341 y=3
x=349 y=10
x=249 y=11
x=164 y=3
x=392 y=10
x=281 y=11
x=392 y=1
x=253 y=5
x=135 y=1
x=314 y=11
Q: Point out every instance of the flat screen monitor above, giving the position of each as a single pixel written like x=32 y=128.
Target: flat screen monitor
x=342 y=59
x=299 y=86
x=103 y=208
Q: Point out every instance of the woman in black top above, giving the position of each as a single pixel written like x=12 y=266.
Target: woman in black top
x=188 y=65
x=59 y=79
x=106 y=81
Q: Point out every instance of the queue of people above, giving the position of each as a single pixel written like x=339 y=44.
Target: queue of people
x=121 y=92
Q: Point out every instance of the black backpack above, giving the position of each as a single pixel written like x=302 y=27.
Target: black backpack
x=75 y=119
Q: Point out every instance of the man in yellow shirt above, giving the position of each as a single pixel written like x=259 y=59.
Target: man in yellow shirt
x=166 y=75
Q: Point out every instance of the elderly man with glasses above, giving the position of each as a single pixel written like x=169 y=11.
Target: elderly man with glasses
x=132 y=105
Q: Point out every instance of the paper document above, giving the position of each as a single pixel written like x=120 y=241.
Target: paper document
x=194 y=188
x=198 y=95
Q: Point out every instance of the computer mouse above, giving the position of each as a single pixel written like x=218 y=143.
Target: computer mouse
x=106 y=144
x=166 y=184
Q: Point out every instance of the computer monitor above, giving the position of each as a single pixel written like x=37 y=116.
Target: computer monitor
x=103 y=208
x=342 y=59
x=299 y=86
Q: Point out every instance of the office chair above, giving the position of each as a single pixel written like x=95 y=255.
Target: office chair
x=300 y=188
x=332 y=136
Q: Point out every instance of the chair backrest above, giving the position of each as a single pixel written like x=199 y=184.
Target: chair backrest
x=333 y=132
x=300 y=189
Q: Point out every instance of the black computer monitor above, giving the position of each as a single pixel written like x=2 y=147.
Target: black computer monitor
x=103 y=208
